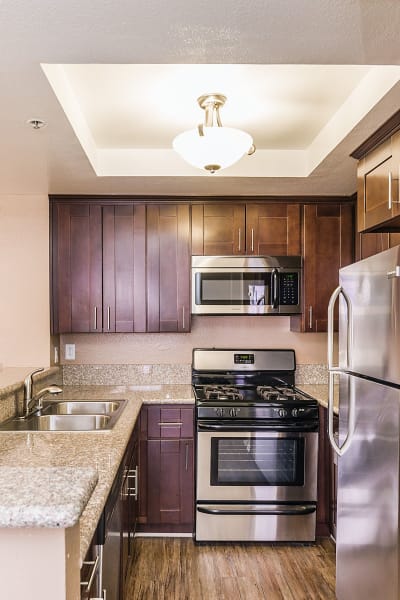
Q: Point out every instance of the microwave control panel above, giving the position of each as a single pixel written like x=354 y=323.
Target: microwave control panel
x=289 y=289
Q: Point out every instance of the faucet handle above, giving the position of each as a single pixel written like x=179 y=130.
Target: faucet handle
x=28 y=382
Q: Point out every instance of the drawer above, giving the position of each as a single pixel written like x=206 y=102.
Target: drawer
x=169 y=422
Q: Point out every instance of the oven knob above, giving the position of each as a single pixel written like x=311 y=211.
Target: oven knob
x=219 y=412
x=295 y=412
x=233 y=412
x=282 y=412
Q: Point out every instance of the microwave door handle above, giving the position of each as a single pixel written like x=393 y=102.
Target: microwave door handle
x=275 y=274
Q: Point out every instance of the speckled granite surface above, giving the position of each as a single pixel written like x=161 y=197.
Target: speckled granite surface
x=156 y=374
x=311 y=374
x=126 y=374
x=100 y=450
x=44 y=496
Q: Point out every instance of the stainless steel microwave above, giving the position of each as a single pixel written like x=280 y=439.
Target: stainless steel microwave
x=255 y=285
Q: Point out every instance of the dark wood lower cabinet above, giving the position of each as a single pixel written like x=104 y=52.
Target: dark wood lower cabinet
x=167 y=469
x=327 y=478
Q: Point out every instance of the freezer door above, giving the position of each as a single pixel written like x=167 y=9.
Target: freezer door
x=372 y=288
x=367 y=542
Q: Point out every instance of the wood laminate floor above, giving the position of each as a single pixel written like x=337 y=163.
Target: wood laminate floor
x=177 y=569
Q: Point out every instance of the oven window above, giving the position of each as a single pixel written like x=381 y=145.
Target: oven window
x=260 y=461
x=233 y=288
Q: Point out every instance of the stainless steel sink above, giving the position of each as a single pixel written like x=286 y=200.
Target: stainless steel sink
x=80 y=407
x=72 y=422
x=70 y=415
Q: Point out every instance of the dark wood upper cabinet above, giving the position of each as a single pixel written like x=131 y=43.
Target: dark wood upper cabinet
x=273 y=229
x=378 y=186
x=229 y=229
x=124 y=249
x=120 y=267
x=76 y=268
x=168 y=267
x=218 y=229
x=327 y=246
x=98 y=268
x=368 y=244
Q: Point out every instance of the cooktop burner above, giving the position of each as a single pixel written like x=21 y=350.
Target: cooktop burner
x=248 y=394
x=222 y=392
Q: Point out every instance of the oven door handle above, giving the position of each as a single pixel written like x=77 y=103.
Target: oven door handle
x=306 y=509
x=293 y=427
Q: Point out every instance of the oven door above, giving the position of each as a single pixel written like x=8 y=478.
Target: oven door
x=257 y=465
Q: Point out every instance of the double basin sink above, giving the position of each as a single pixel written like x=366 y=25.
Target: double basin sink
x=69 y=415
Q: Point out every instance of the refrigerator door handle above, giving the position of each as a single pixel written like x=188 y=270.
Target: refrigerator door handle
x=349 y=341
x=340 y=450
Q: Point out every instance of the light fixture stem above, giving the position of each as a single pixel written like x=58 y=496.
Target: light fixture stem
x=209 y=115
x=219 y=122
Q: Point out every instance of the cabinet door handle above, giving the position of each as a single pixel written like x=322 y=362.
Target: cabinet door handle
x=94 y=565
x=252 y=239
x=95 y=318
x=134 y=474
x=310 y=317
x=186 y=456
x=183 y=317
x=108 y=317
x=390 y=190
x=239 y=241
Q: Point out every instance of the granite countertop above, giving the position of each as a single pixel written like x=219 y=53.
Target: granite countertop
x=101 y=451
x=44 y=496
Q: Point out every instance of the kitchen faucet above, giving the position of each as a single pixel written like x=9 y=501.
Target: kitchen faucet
x=32 y=403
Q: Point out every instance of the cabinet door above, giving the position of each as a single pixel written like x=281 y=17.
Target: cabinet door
x=76 y=268
x=273 y=229
x=218 y=229
x=168 y=268
x=170 y=482
x=377 y=190
x=327 y=246
x=372 y=243
x=124 y=248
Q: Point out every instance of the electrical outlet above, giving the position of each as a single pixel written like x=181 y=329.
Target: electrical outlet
x=146 y=369
x=69 y=351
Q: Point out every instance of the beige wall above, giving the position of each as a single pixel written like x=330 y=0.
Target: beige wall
x=244 y=332
x=24 y=281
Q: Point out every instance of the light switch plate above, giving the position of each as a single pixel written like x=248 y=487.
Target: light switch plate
x=69 y=351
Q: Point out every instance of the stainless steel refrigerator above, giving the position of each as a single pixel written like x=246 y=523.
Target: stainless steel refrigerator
x=367 y=542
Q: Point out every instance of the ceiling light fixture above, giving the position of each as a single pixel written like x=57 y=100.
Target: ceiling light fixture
x=211 y=146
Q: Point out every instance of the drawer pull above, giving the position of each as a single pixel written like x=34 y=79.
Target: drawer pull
x=170 y=424
x=94 y=565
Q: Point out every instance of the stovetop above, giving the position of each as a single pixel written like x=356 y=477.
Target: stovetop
x=248 y=384
x=249 y=394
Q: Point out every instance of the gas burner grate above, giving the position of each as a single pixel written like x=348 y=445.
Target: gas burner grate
x=222 y=392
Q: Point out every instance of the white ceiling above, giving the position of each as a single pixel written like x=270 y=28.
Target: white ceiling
x=124 y=64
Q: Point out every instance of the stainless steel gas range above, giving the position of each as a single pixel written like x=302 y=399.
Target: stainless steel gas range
x=256 y=447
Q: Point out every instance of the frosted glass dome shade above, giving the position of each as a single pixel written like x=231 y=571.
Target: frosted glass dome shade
x=218 y=148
